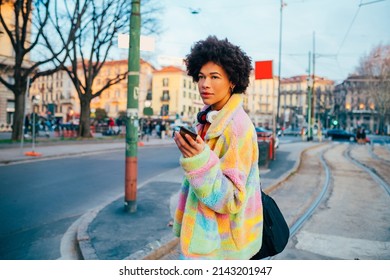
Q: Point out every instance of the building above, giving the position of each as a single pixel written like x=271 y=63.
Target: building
x=355 y=107
x=261 y=101
x=294 y=100
x=114 y=99
x=59 y=98
x=7 y=60
x=175 y=95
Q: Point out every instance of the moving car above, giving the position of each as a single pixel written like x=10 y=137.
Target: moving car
x=340 y=134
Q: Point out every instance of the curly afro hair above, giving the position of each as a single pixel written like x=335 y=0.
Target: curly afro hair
x=223 y=53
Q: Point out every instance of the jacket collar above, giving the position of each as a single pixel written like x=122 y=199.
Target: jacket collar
x=225 y=115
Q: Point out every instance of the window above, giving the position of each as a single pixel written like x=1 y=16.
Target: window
x=165 y=82
x=165 y=96
x=149 y=95
x=164 y=110
x=10 y=105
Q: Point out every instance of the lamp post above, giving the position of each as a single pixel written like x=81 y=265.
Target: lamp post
x=132 y=121
x=34 y=100
x=280 y=65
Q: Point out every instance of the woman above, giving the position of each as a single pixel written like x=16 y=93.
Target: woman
x=219 y=214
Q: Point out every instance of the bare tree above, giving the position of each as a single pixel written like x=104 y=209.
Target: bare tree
x=25 y=32
x=376 y=68
x=98 y=24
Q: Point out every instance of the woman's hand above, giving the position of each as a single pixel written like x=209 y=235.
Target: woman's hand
x=189 y=150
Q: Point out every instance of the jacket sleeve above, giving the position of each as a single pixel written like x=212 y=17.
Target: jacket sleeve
x=219 y=182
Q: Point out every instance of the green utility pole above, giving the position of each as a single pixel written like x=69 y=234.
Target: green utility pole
x=131 y=168
x=309 y=104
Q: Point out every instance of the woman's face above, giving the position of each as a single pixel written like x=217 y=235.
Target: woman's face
x=214 y=85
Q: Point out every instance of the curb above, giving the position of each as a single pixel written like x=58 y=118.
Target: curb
x=73 y=154
x=154 y=249
x=292 y=171
x=49 y=157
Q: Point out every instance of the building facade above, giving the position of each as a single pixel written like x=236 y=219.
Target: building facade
x=114 y=99
x=175 y=95
x=58 y=97
x=260 y=102
x=7 y=99
x=294 y=100
x=354 y=106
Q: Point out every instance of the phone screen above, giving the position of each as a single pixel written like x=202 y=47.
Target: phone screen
x=184 y=130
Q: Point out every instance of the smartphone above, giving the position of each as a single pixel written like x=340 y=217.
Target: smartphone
x=184 y=131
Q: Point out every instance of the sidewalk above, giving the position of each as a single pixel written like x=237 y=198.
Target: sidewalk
x=15 y=153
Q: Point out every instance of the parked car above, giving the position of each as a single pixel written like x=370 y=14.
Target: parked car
x=292 y=132
x=340 y=134
x=265 y=134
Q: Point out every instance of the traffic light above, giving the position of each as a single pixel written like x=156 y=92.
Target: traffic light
x=335 y=122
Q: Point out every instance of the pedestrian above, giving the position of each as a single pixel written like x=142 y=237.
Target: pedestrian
x=219 y=213
x=363 y=136
x=319 y=132
x=26 y=125
x=359 y=135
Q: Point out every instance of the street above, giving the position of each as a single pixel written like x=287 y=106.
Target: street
x=40 y=200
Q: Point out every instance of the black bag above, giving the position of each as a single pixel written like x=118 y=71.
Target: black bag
x=275 y=229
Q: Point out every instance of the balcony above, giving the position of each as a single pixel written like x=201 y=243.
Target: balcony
x=165 y=98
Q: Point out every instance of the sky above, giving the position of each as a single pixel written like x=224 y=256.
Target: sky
x=338 y=32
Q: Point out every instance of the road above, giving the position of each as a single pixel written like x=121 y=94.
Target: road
x=40 y=200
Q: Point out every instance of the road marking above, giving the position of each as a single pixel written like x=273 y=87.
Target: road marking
x=342 y=247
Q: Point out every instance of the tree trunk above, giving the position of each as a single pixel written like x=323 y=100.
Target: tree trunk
x=17 y=128
x=85 y=119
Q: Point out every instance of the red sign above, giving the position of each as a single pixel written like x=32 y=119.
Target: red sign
x=263 y=70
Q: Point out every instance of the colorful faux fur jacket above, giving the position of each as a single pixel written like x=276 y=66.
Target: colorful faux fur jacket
x=219 y=214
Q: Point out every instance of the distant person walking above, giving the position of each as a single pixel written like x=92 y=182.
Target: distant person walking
x=361 y=136
x=219 y=214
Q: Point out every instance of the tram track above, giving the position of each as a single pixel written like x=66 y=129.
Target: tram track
x=377 y=167
x=334 y=207
x=348 y=180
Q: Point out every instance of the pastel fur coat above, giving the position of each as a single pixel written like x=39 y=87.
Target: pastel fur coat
x=219 y=214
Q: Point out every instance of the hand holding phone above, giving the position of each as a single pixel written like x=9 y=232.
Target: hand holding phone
x=184 y=131
x=189 y=150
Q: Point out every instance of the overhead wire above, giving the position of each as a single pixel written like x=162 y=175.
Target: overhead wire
x=349 y=28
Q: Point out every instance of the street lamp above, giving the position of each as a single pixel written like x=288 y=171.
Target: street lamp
x=35 y=101
x=280 y=65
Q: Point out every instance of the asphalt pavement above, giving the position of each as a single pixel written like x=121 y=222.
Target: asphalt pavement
x=109 y=232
